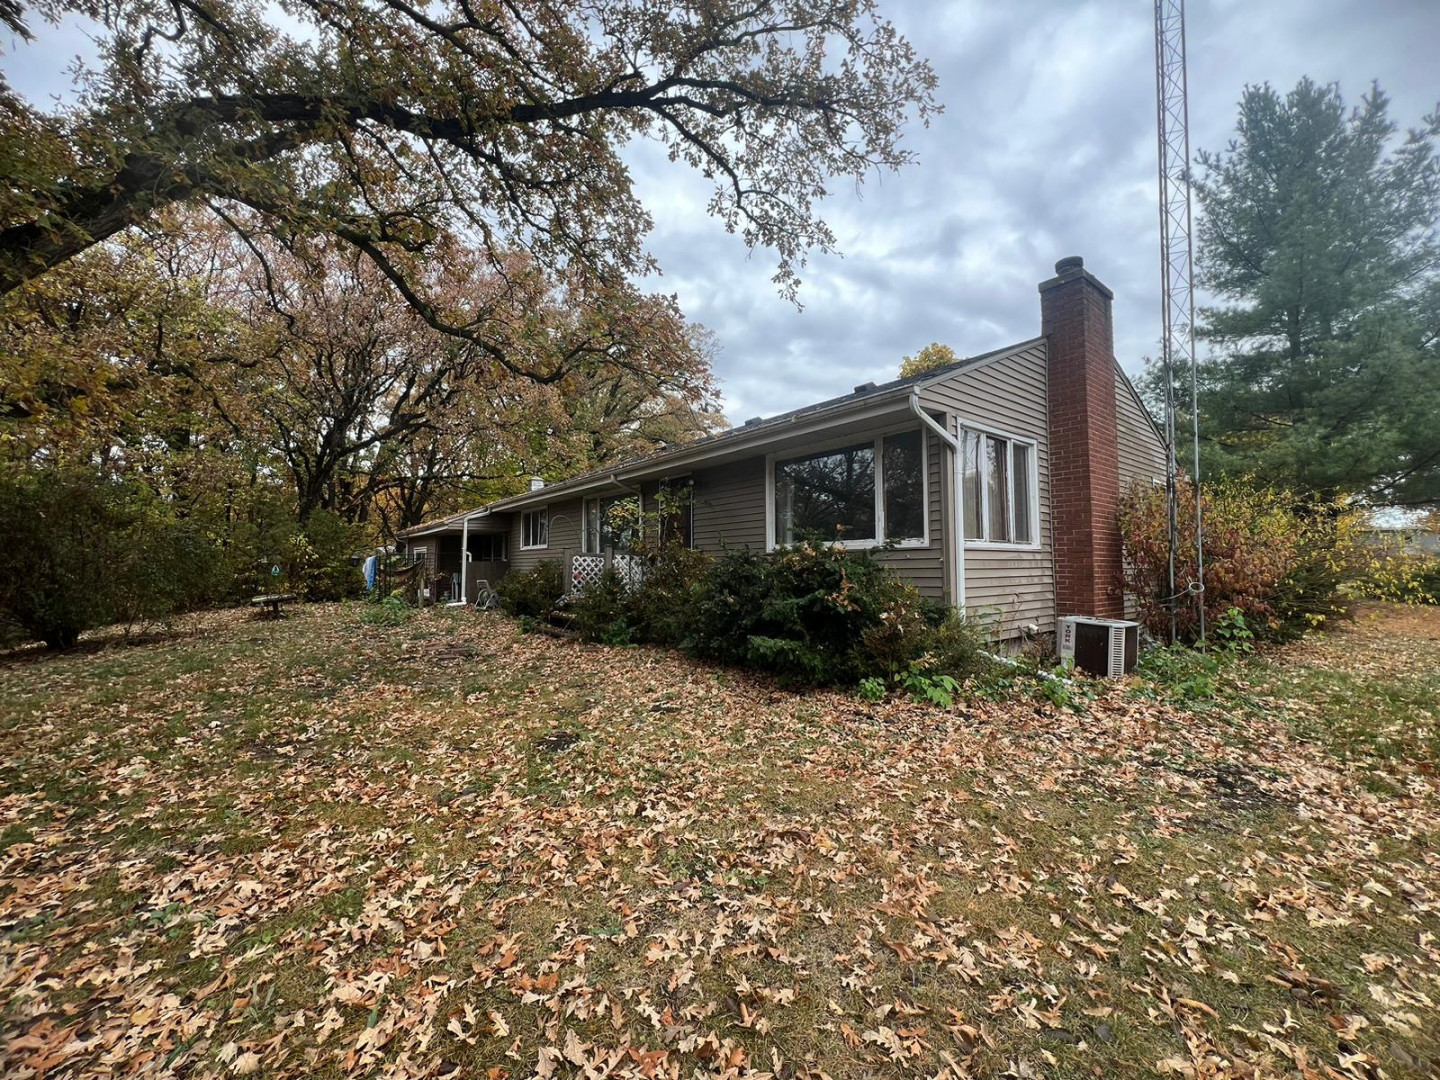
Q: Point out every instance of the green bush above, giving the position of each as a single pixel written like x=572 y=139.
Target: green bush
x=391 y=611
x=818 y=614
x=661 y=608
x=812 y=614
x=84 y=550
x=532 y=593
x=602 y=612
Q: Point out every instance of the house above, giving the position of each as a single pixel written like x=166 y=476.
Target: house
x=994 y=481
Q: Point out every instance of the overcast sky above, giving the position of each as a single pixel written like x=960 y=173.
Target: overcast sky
x=1046 y=149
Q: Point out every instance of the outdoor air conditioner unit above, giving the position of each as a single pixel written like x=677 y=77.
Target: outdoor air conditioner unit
x=1106 y=647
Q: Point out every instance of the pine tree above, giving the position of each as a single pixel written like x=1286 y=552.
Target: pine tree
x=1319 y=237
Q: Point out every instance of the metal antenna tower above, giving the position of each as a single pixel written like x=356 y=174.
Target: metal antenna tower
x=1177 y=282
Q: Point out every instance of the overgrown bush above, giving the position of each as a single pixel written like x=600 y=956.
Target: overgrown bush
x=660 y=609
x=602 y=612
x=819 y=614
x=83 y=550
x=1405 y=577
x=532 y=593
x=1286 y=566
x=391 y=611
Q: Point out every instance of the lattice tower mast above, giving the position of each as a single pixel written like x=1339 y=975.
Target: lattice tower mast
x=1177 y=287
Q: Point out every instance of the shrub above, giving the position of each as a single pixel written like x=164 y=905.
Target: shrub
x=661 y=608
x=82 y=550
x=1281 y=564
x=532 y=593
x=602 y=611
x=801 y=612
x=1401 y=576
x=817 y=614
x=392 y=611
x=812 y=614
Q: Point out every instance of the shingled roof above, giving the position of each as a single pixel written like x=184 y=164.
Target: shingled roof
x=832 y=408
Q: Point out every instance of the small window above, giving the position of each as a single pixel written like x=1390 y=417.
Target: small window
x=610 y=524
x=535 y=529
x=829 y=496
x=488 y=547
x=998 y=488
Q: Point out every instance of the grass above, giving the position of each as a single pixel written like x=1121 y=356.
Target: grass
x=435 y=846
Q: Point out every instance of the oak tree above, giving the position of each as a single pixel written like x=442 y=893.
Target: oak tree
x=498 y=125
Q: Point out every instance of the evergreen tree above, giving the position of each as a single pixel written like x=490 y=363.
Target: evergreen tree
x=1319 y=236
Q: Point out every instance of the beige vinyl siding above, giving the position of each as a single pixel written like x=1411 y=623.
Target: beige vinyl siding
x=924 y=567
x=1012 y=587
x=564 y=534
x=730 y=505
x=1142 y=451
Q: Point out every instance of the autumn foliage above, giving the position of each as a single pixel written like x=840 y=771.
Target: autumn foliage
x=1285 y=565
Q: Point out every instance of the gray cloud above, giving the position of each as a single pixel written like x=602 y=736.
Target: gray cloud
x=1046 y=149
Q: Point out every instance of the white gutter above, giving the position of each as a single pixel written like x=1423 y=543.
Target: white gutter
x=956 y=526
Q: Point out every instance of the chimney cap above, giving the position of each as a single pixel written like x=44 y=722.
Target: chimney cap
x=1070 y=271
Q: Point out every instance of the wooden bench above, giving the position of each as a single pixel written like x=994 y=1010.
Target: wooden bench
x=271 y=603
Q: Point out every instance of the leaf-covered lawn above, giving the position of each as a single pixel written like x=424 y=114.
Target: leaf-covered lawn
x=447 y=849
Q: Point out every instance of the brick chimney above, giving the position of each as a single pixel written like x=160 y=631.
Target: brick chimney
x=1084 y=446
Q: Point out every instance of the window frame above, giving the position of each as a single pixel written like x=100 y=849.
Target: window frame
x=500 y=538
x=966 y=426
x=585 y=517
x=543 y=511
x=876 y=443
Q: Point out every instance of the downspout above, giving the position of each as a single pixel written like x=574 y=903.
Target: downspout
x=465 y=552
x=956 y=527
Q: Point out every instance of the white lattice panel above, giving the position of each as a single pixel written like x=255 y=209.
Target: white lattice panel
x=586 y=570
x=631 y=569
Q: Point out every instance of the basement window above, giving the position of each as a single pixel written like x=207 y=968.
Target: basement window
x=998 y=486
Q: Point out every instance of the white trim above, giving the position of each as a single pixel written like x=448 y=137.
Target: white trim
x=877 y=443
x=941 y=430
x=963 y=426
x=528 y=513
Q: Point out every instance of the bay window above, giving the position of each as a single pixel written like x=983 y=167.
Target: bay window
x=998 y=484
x=855 y=494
